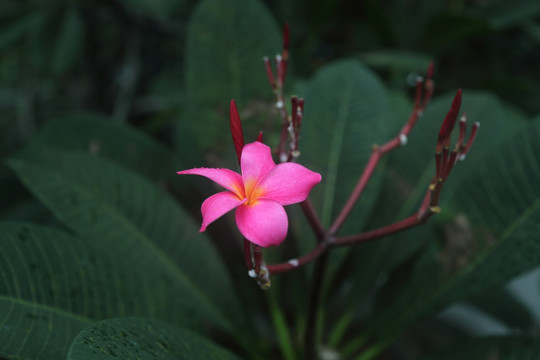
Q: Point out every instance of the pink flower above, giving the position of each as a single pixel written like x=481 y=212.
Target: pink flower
x=258 y=195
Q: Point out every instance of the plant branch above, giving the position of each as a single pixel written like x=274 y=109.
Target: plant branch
x=313 y=219
x=424 y=90
x=298 y=262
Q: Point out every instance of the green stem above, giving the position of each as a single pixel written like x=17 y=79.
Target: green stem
x=282 y=331
x=371 y=352
x=340 y=328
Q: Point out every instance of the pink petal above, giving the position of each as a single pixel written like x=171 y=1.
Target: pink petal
x=229 y=179
x=265 y=223
x=218 y=205
x=289 y=183
x=256 y=162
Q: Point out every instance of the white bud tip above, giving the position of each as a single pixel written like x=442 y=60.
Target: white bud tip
x=403 y=139
x=252 y=274
x=283 y=158
x=278 y=57
x=279 y=104
x=265 y=58
x=477 y=124
x=462 y=157
x=293 y=262
x=463 y=119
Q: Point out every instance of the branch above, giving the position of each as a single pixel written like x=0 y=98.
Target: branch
x=424 y=90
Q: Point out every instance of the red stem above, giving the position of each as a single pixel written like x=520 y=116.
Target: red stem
x=301 y=261
x=409 y=222
x=257 y=255
x=313 y=219
x=247 y=254
x=358 y=189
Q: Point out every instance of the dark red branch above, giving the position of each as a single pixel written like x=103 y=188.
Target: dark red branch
x=313 y=219
x=299 y=262
x=247 y=254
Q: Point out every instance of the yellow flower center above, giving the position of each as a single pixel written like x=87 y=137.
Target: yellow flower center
x=252 y=192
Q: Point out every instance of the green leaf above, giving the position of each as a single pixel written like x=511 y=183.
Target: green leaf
x=500 y=348
x=53 y=285
x=345 y=114
x=225 y=45
x=500 y=207
x=143 y=339
x=97 y=135
x=32 y=332
x=127 y=216
x=396 y=60
x=369 y=261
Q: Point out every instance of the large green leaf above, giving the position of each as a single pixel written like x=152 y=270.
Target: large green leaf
x=346 y=110
x=500 y=202
x=130 y=218
x=143 y=339
x=225 y=45
x=32 y=332
x=500 y=348
x=54 y=285
x=96 y=134
x=345 y=114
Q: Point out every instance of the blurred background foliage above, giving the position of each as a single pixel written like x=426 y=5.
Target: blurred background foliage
x=152 y=80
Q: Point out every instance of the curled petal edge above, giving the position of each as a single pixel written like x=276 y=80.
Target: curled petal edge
x=218 y=205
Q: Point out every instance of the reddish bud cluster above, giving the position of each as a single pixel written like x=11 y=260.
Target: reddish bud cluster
x=445 y=159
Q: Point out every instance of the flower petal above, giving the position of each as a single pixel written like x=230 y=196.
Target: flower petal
x=229 y=179
x=256 y=162
x=289 y=183
x=218 y=205
x=265 y=223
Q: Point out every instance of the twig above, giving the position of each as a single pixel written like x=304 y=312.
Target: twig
x=424 y=90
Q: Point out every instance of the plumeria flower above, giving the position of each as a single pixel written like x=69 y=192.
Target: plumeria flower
x=258 y=195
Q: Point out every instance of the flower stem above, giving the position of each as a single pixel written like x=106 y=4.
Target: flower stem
x=301 y=261
x=420 y=103
x=313 y=219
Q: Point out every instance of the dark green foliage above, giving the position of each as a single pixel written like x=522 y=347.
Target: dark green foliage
x=131 y=338
x=103 y=101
